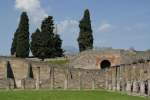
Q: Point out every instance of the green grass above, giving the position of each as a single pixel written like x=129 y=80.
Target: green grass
x=58 y=62
x=65 y=95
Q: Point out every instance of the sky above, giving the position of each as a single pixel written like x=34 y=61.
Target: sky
x=118 y=24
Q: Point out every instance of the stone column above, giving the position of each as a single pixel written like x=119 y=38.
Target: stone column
x=135 y=87
x=124 y=85
x=106 y=84
x=110 y=85
x=93 y=84
x=118 y=78
x=65 y=84
x=52 y=78
x=79 y=74
x=118 y=86
x=106 y=79
x=66 y=79
x=148 y=87
x=38 y=78
x=6 y=66
x=128 y=87
x=142 y=88
x=113 y=79
x=23 y=84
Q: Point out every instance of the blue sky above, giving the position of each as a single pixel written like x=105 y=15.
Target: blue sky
x=116 y=23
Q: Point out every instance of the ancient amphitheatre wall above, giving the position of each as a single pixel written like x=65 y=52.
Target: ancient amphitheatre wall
x=92 y=59
x=131 y=78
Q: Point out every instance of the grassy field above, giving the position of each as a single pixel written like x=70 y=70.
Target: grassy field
x=58 y=62
x=65 y=95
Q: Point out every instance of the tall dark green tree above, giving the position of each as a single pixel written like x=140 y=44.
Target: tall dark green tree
x=58 y=46
x=20 y=44
x=36 y=43
x=44 y=43
x=14 y=43
x=85 y=39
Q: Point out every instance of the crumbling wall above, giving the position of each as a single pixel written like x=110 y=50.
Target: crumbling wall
x=132 y=78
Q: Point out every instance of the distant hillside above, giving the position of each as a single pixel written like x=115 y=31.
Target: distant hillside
x=70 y=49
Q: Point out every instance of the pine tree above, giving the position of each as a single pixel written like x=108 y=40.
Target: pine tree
x=43 y=44
x=85 y=39
x=20 y=44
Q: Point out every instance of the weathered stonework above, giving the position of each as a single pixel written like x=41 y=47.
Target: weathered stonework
x=133 y=78
x=94 y=59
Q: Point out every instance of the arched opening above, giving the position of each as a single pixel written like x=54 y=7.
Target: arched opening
x=105 y=64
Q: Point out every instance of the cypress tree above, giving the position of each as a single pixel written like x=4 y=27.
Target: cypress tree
x=36 y=42
x=58 y=43
x=14 y=43
x=43 y=43
x=23 y=45
x=20 y=44
x=85 y=39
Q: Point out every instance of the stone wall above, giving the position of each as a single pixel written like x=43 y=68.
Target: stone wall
x=92 y=59
x=130 y=78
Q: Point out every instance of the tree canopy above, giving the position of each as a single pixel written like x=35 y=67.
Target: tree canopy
x=44 y=43
x=20 y=45
x=85 y=39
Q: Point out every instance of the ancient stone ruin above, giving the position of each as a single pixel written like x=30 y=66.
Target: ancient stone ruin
x=116 y=70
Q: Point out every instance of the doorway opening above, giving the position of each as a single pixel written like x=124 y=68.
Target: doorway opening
x=105 y=64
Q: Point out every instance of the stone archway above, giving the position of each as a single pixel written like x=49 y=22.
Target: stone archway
x=105 y=64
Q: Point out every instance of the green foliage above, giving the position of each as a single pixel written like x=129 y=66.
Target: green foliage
x=14 y=43
x=45 y=44
x=65 y=95
x=20 y=44
x=58 y=62
x=85 y=39
x=58 y=43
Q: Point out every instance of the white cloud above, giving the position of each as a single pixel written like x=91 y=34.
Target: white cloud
x=67 y=26
x=33 y=8
x=104 y=27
